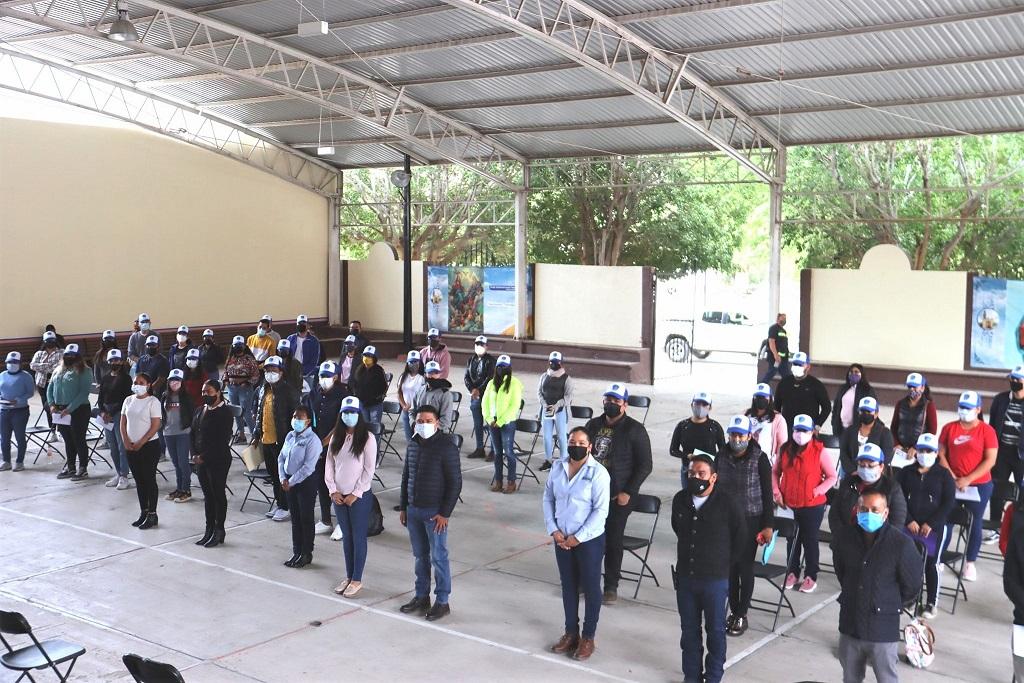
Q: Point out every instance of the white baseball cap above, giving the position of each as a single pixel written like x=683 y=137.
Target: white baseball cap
x=915 y=379
x=183 y=329
x=701 y=397
x=739 y=424
x=114 y=354
x=350 y=339
x=176 y=373
x=870 y=451
x=504 y=361
x=763 y=390
x=1017 y=372
x=15 y=357
x=412 y=355
x=969 y=399
x=868 y=404
x=432 y=366
x=152 y=340
x=350 y=404
x=207 y=332
x=803 y=423
x=284 y=344
x=927 y=442
x=800 y=358
x=554 y=355
x=144 y=317
x=618 y=391
x=328 y=368
x=480 y=339
x=370 y=351
x=238 y=340
x=71 y=349
x=302 y=319
x=273 y=361
x=108 y=334
x=192 y=353
x=49 y=335
x=266 y=318
x=432 y=332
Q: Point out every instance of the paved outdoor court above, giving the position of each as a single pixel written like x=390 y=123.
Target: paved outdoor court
x=70 y=561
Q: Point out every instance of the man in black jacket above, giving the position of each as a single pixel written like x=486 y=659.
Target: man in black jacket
x=699 y=432
x=479 y=371
x=879 y=570
x=1013 y=583
x=622 y=445
x=431 y=483
x=708 y=523
x=273 y=405
x=1007 y=415
x=802 y=394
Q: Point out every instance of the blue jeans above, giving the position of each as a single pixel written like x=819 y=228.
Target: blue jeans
x=354 y=520
x=503 y=438
x=430 y=548
x=478 y=422
x=407 y=422
x=782 y=369
x=978 y=511
x=241 y=395
x=559 y=425
x=580 y=568
x=702 y=600
x=373 y=414
x=179 y=450
x=118 y=455
x=13 y=421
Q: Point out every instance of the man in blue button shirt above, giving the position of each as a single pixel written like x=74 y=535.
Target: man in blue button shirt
x=575 y=508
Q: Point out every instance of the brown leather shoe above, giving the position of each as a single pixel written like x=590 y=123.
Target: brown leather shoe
x=496 y=486
x=510 y=487
x=566 y=644
x=585 y=649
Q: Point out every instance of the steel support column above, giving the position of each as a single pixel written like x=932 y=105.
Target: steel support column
x=522 y=257
x=334 y=284
x=775 y=233
x=407 y=256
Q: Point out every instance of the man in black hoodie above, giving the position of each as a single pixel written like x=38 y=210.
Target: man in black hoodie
x=802 y=394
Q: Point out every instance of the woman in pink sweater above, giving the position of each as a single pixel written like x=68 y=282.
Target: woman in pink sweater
x=348 y=473
x=769 y=427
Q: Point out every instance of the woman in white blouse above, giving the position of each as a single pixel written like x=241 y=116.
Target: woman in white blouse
x=140 y=422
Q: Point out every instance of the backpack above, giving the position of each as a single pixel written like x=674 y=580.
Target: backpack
x=376 y=523
x=919 y=643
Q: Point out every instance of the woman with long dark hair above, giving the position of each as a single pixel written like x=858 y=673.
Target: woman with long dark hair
x=68 y=396
x=242 y=373
x=408 y=386
x=913 y=415
x=500 y=407
x=348 y=473
x=769 y=427
x=848 y=396
x=178 y=410
x=211 y=453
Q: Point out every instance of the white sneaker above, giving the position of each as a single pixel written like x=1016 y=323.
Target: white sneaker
x=990 y=537
x=282 y=516
x=122 y=483
x=270 y=513
x=970 y=572
x=337 y=535
x=930 y=612
x=321 y=528
x=112 y=482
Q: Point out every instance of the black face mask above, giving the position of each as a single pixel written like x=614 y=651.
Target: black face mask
x=354 y=331
x=237 y=350
x=209 y=400
x=761 y=403
x=50 y=344
x=435 y=382
x=108 y=343
x=349 y=348
x=151 y=350
x=1016 y=386
x=432 y=343
x=555 y=365
x=867 y=418
x=500 y=373
x=577 y=453
x=301 y=328
x=115 y=368
x=208 y=341
x=697 y=487
x=612 y=409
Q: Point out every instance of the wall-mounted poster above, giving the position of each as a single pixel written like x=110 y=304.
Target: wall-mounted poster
x=474 y=300
x=437 y=297
x=500 y=301
x=466 y=299
x=997 y=323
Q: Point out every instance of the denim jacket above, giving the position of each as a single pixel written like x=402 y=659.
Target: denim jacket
x=299 y=455
x=577 y=507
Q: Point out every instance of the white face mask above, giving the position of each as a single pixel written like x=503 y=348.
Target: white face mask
x=799 y=371
x=326 y=383
x=802 y=438
x=966 y=414
x=425 y=429
x=480 y=350
x=144 y=327
x=182 y=338
x=273 y=377
x=192 y=363
x=869 y=474
x=140 y=389
x=926 y=458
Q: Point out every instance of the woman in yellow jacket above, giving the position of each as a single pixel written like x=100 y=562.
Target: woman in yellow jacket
x=500 y=406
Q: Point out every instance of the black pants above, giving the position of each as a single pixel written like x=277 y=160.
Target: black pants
x=1008 y=464
x=213 y=477
x=301 y=499
x=741 y=575
x=142 y=463
x=614 y=530
x=270 y=453
x=46 y=405
x=323 y=493
x=76 y=448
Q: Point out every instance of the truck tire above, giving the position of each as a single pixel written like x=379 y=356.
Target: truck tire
x=677 y=348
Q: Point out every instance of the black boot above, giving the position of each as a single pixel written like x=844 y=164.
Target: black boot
x=293 y=560
x=303 y=560
x=206 y=537
x=140 y=520
x=217 y=539
x=151 y=521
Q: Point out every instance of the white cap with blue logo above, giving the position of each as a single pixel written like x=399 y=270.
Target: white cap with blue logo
x=803 y=423
x=701 y=397
x=868 y=404
x=870 y=451
x=800 y=358
x=763 y=390
x=618 y=391
x=969 y=399
x=739 y=424
x=927 y=442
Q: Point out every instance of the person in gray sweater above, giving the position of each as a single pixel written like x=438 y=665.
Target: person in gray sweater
x=436 y=392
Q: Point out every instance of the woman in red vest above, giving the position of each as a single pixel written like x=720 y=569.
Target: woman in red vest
x=801 y=476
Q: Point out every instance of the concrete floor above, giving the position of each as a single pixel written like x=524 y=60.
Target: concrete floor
x=70 y=561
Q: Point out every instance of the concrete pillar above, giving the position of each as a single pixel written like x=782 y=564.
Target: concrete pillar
x=775 y=237
x=335 y=304
x=522 y=257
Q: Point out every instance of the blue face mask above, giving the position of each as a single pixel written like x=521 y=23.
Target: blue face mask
x=298 y=425
x=350 y=419
x=870 y=521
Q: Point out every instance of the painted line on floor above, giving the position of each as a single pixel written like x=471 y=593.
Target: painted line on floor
x=280 y=584
x=790 y=625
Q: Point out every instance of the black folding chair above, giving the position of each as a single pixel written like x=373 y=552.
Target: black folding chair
x=825 y=537
x=378 y=433
x=584 y=413
x=1003 y=492
x=43 y=437
x=392 y=411
x=523 y=456
x=638 y=401
x=95 y=437
x=912 y=609
x=960 y=520
x=388 y=376
x=259 y=479
x=456 y=405
x=771 y=573
x=149 y=671
x=47 y=654
x=236 y=412
x=645 y=505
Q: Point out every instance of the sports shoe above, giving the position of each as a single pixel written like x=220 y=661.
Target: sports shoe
x=477 y=454
x=282 y=516
x=19 y=466
x=80 y=475
x=990 y=537
x=173 y=495
x=929 y=612
x=269 y=513
x=790 y=581
x=809 y=585
x=736 y=627
x=337 y=534
x=183 y=497
x=546 y=466
x=970 y=572
x=112 y=482
x=5 y=466
x=123 y=483
x=65 y=474
x=321 y=528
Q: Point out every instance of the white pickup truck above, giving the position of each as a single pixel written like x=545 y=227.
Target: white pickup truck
x=722 y=331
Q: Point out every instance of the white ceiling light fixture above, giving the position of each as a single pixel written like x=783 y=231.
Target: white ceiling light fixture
x=122 y=29
x=307 y=29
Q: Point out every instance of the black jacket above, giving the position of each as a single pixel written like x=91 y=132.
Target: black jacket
x=368 y=384
x=1013 y=567
x=479 y=371
x=997 y=413
x=844 y=501
x=211 y=357
x=629 y=453
x=184 y=405
x=433 y=467
x=114 y=389
x=806 y=396
x=176 y=356
x=849 y=446
x=930 y=496
x=688 y=435
x=286 y=400
x=710 y=540
x=324 y=406
x=211 y=434
x=730 y=479
x=863 y=389
x=876 y=581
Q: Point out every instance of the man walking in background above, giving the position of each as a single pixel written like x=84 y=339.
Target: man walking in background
x=778 y=350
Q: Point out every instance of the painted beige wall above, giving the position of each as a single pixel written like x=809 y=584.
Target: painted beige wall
x=375 y=291
x=589 y=304
x=887 y=314
x=98 y=224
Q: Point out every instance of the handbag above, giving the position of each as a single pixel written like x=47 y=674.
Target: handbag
x=919 y=643
x=252 y=457
x=376 y=521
